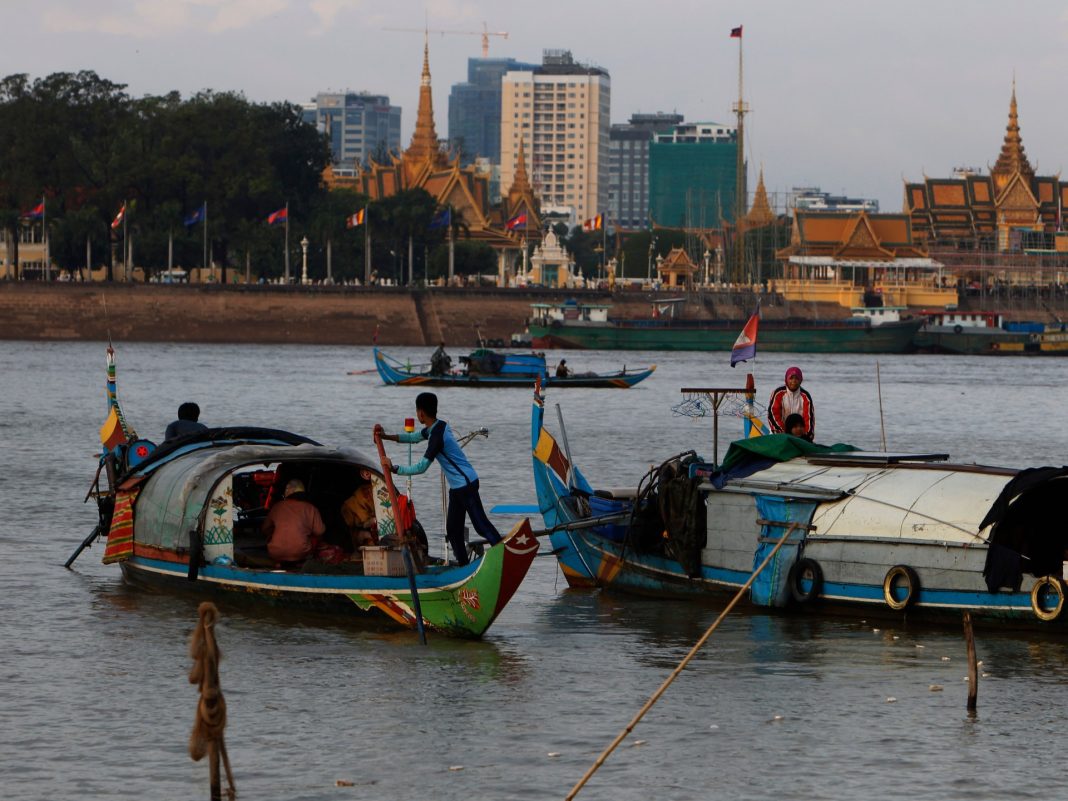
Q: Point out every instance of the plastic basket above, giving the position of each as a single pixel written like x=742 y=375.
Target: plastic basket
x=378 y=560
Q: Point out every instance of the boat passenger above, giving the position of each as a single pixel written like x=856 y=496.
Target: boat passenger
x=293 y=527
x=795 y=425
x=358 y=512
x=789 y=399
x=442 y=446
x=187 y=422
x=562 y=370
x=440 y=361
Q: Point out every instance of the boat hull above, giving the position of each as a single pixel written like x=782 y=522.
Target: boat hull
x=795 y=337
x=459 y=601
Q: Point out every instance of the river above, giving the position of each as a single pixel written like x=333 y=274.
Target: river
x=95 y=701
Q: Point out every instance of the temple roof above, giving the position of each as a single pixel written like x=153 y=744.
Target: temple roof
x=880 y=237
x=760 y=214
x=1012 y=158
x=424 y=146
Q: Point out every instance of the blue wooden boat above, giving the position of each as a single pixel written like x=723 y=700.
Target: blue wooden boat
x=869 y=533
x=490 y=369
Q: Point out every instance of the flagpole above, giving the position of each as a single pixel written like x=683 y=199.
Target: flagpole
x=206 y=238
x=44 y=239
x=287 y=243
x=170 y=254
x=125 y=255
x=452 y=254
x=366 y=246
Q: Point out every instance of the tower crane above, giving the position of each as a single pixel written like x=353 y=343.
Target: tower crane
x=485 y=33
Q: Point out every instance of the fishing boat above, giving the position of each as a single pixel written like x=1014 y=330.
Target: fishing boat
x=485 y=368
x=188 y=515
x=892 y=533
x=988 y=333
x=590 y=326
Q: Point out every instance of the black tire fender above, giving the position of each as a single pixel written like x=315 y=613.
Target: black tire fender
x=909 y=580
x=958 y=329
x=802 y=569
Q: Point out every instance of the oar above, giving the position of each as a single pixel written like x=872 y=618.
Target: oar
x=402 y=532
x=85 y=544
x=99 y=529
x=363 y=372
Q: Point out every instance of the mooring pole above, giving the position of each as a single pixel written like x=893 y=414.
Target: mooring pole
x=973 y=667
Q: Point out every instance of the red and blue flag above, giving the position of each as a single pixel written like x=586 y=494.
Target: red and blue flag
x=745 y=346
x=36 y=213
x=280 y=216
x=196 y=216
x=517 y=221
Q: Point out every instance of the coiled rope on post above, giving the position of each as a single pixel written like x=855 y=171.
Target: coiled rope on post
x=206 y=738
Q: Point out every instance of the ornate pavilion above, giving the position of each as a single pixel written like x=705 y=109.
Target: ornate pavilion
x=424 y=165
x=1009 y=209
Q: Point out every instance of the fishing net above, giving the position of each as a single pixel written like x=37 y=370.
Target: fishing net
x=699 y=404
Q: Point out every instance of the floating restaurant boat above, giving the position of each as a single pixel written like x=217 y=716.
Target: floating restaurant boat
x=188 y=515
x=869 y=532
x=981 y=333
x=485 y=368
x=574 y=325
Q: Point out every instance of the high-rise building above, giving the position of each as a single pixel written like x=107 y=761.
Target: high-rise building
x=475 y=109
x=692 y=171
x=628 y=167
x=560 y=112
x=811 y=198
x=359 y=125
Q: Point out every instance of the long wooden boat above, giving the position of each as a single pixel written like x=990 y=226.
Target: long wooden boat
x=514 y=370
x=987 y=333
x=849 y=335
x=872 y=532
x=188 y=516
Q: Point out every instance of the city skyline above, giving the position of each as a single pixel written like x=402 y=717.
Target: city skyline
x=853 y=99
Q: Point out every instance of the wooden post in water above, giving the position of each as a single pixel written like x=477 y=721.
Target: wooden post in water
x=207 y=736
x=973 y=667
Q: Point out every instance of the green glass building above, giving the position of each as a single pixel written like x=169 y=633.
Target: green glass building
x=692 y=174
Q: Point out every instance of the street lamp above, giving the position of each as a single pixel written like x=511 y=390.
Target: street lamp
x=708 y=258
x=652 y=247
x=304 y=266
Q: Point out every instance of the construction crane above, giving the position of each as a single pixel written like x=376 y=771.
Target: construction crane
x=485 y=33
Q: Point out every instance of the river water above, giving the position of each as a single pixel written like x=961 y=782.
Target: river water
x=95 y=703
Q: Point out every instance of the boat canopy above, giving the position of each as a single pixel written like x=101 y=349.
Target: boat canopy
x=172 y=499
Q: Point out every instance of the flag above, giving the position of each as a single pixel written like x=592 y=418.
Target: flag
x=280 y=216
x=594 y=223
x=36 y=213
x=443 y=219
x=196 y=216
x=111 y=433
x=745 y=346
x=119 y=217
x=736 y=33
x=356 y=219
x=517 y=221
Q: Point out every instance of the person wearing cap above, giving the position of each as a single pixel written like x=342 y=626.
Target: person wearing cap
x=293 y=527
x=790 y=399
x=442 y=447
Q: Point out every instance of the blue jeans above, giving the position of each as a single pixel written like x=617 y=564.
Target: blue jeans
x=464 y=502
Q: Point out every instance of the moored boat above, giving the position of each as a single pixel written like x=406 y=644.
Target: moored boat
x=987 y=333
x=865 y=532
x=580 y=327
x=484 y=368
x=189 y=515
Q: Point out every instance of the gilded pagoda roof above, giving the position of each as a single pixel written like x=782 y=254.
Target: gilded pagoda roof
x=859 y=236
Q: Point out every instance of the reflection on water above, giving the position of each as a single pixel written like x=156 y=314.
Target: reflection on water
x=95 y=700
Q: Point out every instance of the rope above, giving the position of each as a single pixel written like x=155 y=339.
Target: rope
x=674 y=674
x=206 y=738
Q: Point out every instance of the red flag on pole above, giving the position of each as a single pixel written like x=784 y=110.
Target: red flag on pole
x=736 y=33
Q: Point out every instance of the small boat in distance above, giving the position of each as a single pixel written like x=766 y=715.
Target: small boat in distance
x=486 y=368
x=983 y=333
x=189 y=515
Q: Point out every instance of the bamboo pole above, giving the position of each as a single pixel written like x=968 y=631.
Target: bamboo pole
x=679 y=668
x=973 y=667
x=879 y=388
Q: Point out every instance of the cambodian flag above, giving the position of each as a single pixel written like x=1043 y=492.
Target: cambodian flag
x=517 y=221
x=443 y=219
x=280 y=216
x=745 y=346
x=119 y=217
x=36 y=213
x=196 y=216
x=736 y=33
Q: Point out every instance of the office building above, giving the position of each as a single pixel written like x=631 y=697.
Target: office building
x=692 y=170
x=475 y=109
x=560 y=112
x=628 y=167
x=360 y=125
x=810 y=198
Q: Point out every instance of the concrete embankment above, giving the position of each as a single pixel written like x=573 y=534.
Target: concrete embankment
x=310 y=315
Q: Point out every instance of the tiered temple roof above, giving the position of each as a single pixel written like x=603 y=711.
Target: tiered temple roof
x=859 y=237
x=981 y=210
x=424 y=165
x=760 y=213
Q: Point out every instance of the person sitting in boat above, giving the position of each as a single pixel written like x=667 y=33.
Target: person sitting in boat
x=562 y=370
x=358 y=512
x=188 y=422
x=440 y=361
x=293 y=527
x=789 y=399
x=795 y=425
x=442 y=446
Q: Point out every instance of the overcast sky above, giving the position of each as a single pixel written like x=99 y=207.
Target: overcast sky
x=850 y=96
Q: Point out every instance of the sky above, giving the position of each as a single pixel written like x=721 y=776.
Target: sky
x=854 y=97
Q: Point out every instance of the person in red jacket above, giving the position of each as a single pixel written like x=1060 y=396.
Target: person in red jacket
x=789 y=399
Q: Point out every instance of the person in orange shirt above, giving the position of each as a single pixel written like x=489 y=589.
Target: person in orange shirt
x=293 y=527
x=358 y=512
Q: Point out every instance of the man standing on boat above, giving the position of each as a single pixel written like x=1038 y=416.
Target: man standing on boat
x=442 y=446
x=790 y=399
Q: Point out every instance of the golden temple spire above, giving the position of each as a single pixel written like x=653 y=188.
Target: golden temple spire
x=760 y=214
x=1012 y=158
x=424 y=144
x=521 y=183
